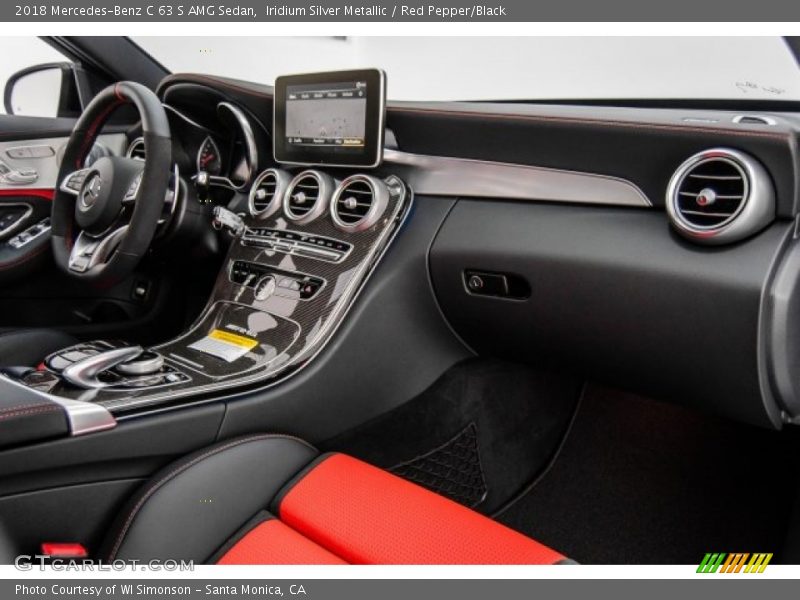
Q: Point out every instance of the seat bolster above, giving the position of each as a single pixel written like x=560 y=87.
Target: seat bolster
x=191 y=506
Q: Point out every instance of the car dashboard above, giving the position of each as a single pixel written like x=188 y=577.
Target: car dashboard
x=654 y=247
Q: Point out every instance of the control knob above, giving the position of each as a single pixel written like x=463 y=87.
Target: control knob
x=265 y=287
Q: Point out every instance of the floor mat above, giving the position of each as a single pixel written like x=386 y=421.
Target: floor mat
x=478 y=435
x=638 y=481
x=453 y=469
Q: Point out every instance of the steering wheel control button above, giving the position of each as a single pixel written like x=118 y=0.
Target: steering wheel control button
x=146 y=363
x=73 y=182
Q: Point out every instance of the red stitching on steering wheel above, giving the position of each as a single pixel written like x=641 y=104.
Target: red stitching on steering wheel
x=91 y=133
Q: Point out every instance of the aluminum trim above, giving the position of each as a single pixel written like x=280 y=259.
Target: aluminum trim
x=380 y=199
x=249 y=141
x=756 y=210
x=765 y=120
x=282 y=181
x=326 y=185
x=449 y=176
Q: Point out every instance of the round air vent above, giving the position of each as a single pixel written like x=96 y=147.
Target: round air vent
x=267 y=193
x=136 y=149
x=359 y=202
x=720 y=196
x=307 y=196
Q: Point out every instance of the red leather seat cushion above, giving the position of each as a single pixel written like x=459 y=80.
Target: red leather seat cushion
x=273 y=543
x=365 y=515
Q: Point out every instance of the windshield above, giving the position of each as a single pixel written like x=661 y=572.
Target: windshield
x=508 y=68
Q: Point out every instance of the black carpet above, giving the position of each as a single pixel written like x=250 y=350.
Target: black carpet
x=479 y=435
x=639 y=481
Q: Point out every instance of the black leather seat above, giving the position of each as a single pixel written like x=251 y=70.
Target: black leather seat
x=273 y=499
x=28 y=347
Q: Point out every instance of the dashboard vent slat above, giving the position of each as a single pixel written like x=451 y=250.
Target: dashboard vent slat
x=359 y=203
x=307 y=196
x=351 y=210
x=266 y=193
x=712 y=192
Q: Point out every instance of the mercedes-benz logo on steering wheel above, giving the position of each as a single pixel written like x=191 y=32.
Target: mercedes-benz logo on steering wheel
x=91 y=192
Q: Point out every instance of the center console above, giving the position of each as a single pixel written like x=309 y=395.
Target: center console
x=296 y=261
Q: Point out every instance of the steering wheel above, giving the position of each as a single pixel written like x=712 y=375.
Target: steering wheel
x=104 y=216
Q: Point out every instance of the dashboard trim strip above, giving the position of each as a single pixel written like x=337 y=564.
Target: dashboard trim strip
x=448 y=176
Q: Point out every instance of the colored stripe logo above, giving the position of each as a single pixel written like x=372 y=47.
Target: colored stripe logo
x=720 y=562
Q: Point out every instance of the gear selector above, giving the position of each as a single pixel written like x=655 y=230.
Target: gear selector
x=84 y=373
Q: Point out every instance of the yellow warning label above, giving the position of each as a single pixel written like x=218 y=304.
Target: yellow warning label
x=233 y=339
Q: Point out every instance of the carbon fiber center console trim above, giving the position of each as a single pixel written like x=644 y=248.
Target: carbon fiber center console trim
x=276 y=303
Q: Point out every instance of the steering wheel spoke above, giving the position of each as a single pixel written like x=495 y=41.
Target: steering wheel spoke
x=72 y=183
x=133 y=189
x=88 y=251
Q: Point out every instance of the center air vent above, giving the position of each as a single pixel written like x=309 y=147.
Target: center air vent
x=307 y=196
x=720 y=196
x=359 y=203
x=136 y=149
x=267 y=193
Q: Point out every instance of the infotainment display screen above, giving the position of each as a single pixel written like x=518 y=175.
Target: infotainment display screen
x=333 y=119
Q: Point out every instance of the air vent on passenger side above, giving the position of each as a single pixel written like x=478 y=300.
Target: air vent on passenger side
x=359 y=203
x=720 y=195
x=307 y=196
x=267 y=193
x=136 y=149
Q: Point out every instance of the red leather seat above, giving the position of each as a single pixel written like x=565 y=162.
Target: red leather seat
x=272 y=500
